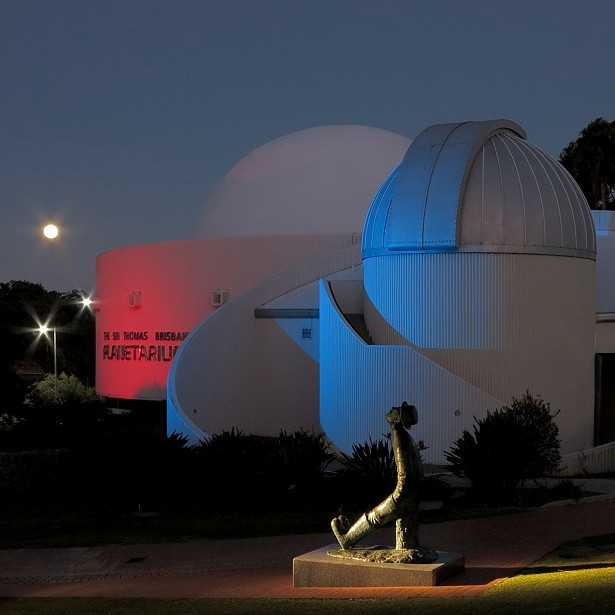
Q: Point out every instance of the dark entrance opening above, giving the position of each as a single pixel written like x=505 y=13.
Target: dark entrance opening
x=604 y=412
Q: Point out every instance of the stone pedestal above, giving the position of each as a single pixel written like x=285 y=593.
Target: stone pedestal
x=318 y=569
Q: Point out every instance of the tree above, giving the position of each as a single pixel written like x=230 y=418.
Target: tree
x=61 y=412
x=590 y=159
x=23 y=307
x=60 y=390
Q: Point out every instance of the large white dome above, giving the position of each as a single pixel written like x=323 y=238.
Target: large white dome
x=319 y=180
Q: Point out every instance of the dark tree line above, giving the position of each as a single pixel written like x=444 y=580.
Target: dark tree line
x=590 y=159
x=24 y=306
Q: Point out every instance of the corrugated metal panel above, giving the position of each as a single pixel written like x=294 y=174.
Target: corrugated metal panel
x=504 y=323
x=603 y=220
x=376 y=221
x=605 y=263
x=360 y=383
x=518 y=199
x=598 y=460
x=441 y=300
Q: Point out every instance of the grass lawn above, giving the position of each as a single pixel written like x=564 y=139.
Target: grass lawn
x=37 y=528
x=577 y=578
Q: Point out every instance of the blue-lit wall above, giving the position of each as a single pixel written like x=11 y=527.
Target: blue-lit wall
x=360 y=382
x=442 y=300
x=470 y=331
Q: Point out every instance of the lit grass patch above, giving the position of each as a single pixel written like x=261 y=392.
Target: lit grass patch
x=590 y=552
x=584 y=591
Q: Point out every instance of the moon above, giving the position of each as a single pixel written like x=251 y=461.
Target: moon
x=51 y=231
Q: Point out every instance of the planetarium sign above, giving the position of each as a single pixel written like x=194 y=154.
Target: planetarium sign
x=120 y=351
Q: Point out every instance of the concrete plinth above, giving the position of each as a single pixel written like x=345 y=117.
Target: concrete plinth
x=317 y=569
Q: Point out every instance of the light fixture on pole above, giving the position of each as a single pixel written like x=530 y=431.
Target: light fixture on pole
x=43 y=330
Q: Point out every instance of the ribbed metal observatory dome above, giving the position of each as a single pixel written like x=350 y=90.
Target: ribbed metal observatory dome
x=479 y=278
x=479 y=186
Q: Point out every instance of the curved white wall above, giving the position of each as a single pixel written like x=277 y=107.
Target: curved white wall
x=235 y=370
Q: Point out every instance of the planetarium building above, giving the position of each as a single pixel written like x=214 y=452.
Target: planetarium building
x=343 y=270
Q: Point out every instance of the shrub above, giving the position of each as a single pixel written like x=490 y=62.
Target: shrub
x=369 y=474
x=233 y=453
x=36 y=476
x=303 y=456
x=132 y=469
x=242 y=469
x=508 y=446
x=235 y=470
x=57 y=390
x=567 y=489
x=69 y=425
x=299 y=466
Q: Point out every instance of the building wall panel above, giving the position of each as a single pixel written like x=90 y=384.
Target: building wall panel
x=361 y=382
x=505 y=323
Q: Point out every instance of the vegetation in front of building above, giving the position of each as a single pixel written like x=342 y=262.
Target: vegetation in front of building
x=507 y=447
x=68 y=464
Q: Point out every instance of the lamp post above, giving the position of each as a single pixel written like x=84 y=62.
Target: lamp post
x=43 y=330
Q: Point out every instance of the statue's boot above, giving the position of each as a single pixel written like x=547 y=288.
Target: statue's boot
x=349 y=536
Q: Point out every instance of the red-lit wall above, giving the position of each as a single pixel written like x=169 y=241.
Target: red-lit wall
x=149 y=297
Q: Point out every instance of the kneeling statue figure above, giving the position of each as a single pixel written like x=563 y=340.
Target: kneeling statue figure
x=402 y=506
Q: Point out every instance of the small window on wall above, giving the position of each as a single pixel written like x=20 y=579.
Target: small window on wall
x=134 y=299
x=219 y=297
x=604 y=411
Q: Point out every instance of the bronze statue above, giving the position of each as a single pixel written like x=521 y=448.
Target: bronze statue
x=402 y=506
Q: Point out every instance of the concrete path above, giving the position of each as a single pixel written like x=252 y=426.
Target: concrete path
x=494 y=548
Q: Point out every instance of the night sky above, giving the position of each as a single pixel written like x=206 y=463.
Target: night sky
x=117 y=117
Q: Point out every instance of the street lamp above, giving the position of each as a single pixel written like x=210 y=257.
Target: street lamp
x=43 y=330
